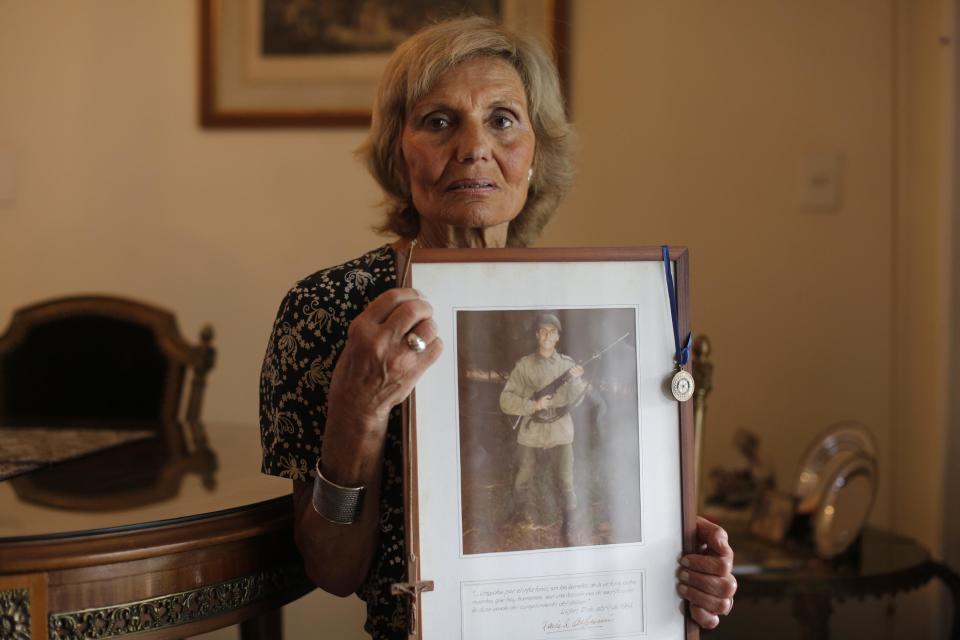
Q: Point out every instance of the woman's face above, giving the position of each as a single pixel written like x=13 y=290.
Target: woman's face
x=468 y=146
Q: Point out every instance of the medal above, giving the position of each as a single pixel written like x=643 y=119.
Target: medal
x=682 y=386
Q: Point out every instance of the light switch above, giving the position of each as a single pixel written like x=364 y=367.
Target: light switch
x=821 y=182
x=8 y=177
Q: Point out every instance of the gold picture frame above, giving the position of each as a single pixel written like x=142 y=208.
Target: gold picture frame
x=241 y=86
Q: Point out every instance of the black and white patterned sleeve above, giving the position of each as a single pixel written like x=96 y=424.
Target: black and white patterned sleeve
x=294 y=380
x=308 y=337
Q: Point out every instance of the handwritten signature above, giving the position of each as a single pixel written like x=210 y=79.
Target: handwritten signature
x=579 y=622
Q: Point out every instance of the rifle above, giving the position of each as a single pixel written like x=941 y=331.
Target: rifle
x=552 y=415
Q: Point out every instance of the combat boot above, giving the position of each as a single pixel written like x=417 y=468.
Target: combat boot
x=523 y=508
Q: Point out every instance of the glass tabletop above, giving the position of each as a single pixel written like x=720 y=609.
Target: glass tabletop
x=879 y=553
x=194 y=487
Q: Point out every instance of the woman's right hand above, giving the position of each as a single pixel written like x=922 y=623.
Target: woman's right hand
x=377 y=369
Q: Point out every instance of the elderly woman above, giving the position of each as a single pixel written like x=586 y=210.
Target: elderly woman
x=470 y=143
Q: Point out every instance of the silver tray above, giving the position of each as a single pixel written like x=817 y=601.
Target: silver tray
x=850 y=481
x=839 y=438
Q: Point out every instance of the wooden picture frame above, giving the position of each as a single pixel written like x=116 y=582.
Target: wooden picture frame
x=588 y=549
x=241 y=86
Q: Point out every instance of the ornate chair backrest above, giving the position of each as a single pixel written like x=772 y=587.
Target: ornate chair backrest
x=100 y=360
x=104 y=361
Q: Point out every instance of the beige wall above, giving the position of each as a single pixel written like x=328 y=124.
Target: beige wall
x=694 y=119
x=924 y=258
x=120 y=191
x=952 y=203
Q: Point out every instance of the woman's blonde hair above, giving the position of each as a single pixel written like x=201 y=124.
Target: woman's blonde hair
x=414 y=70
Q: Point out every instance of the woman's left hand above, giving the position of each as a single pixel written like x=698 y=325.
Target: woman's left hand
x=706 y=578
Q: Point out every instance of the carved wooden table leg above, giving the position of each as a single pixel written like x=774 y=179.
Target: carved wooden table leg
x=812 y=613
x=952 y=580
x=266 y=626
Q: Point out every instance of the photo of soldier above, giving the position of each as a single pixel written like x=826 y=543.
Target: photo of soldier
x=549 y=428
x=540 y=391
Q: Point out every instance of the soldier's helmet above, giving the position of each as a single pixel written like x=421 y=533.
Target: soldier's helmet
x=549 y=320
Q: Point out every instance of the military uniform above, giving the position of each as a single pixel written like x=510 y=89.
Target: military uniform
x=530 y=374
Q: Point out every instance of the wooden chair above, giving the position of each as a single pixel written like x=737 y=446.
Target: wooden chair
x=107 y=362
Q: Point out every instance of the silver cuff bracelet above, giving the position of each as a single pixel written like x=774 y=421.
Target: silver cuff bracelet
x=339 y=505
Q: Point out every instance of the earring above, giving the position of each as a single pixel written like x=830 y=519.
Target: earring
x=529 y=175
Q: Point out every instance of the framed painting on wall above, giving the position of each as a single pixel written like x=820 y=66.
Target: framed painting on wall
x=549 y=468
x=308 y=63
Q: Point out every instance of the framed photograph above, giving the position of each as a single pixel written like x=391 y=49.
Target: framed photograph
x=307 y=63
x=549 y=480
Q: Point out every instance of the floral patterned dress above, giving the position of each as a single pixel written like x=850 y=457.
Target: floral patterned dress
x=308 y=336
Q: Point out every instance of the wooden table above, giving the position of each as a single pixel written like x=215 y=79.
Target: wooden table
x=216 y=554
